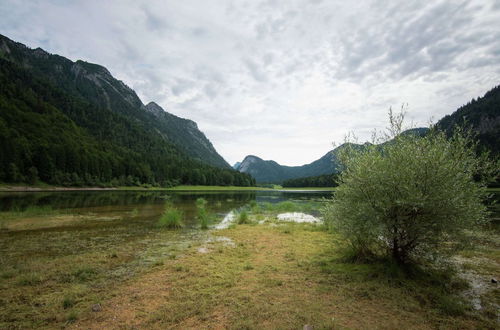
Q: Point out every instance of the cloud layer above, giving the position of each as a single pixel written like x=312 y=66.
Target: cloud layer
x=278 y=79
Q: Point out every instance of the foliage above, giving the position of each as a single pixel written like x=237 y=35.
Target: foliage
x=481 y=115
x=203 y=215
x=243 y=218
x=171 y=218
x=61 y=128
x=413 y=196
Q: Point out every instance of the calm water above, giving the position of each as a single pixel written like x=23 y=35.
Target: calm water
x=67 y=223
x=48 y=227
x=144 y=205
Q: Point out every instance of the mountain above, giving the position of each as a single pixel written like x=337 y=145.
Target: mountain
x=68 y=122
x=482 y=116
x=95 y=84
x=185 y=134
x=268 y=171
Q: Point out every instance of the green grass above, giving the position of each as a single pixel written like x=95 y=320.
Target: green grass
x=29 y=279
x=203 y=215
x=243 y=218
x=270 y=279
x=30 y=211
x=68 y=302
x=280 y=275
x=309 y=188
x=171 y=219
x=197 y=188
x=49 y=277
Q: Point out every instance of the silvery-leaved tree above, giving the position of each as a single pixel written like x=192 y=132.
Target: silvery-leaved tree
x=410 y=197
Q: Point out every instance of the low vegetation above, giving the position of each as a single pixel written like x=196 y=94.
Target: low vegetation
x=171 y=218
x=285 y=276
x=263 y=274
x=243 y=218
x=203 y=215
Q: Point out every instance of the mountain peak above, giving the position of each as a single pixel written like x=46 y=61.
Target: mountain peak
x=96 y=85
x=92 y=67
x=154 y=107
x=251 y=158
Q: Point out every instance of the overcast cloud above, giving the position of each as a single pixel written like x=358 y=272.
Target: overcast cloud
x=278 y=79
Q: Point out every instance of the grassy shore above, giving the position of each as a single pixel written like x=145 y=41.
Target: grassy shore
x=265 y=274
x=235 y=188
x=45 y=187
x=284 y=277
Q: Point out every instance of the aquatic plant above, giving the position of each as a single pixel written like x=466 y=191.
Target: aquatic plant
x=171 y=218
x=203 y=216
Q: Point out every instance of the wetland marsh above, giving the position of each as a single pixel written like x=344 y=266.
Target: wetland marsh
x=99 y=260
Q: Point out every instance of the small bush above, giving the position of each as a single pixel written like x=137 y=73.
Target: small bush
x=171 y=219
x=411 y=197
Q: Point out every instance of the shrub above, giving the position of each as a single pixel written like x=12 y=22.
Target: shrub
x=412 y=196
x=171 y=218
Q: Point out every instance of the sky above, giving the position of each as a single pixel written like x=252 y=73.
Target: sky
x=282 y=80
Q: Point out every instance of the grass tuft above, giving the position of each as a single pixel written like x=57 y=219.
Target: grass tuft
x=68 y=302
x=29 y=279
x=243 y=218
x=72 y=317
x=171 y=219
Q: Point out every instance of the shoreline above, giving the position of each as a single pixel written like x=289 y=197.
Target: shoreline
x=14 y=188
x=24 y=188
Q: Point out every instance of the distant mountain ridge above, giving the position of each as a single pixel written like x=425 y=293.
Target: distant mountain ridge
x=73 y=123
x=482 y=115
x=269 y=171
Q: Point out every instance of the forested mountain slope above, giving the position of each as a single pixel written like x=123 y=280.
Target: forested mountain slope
x=482 y=115
x=72 y=123
x=96 y=85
